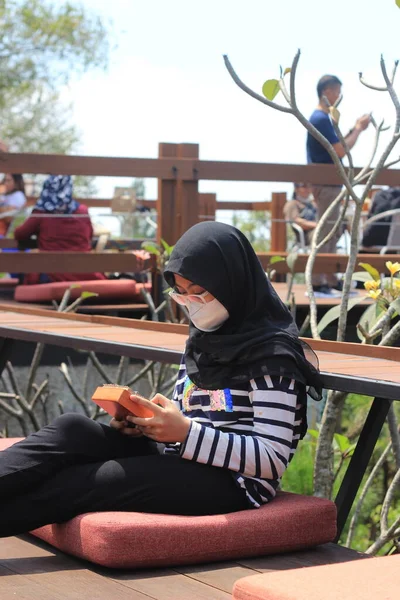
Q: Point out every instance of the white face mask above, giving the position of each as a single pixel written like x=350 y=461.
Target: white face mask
x=207 y=317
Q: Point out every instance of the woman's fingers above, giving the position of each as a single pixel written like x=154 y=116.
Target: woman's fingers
x=132 y=431
x=153 y=406
x=124 y=428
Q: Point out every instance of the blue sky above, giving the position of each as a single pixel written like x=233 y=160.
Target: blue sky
x=167 y=82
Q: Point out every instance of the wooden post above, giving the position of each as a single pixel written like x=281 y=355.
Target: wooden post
x=207 y=207
x=278 y=225
x=187 y=203
x=166 y=199
x=178 y=199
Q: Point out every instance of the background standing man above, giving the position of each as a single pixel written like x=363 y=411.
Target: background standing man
x=329 y=87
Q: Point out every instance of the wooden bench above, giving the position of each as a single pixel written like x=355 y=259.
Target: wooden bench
x=78 y=262
x=344 y=366
x=326 y=263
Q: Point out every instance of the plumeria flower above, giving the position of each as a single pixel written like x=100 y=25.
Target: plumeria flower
x=396 y=283
x=372 y=285
x=374 y=294
x=393 y=267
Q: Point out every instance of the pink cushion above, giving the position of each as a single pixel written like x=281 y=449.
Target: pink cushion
x=115 y=289
x=7 y=442
x=8 y=282
x=354 y=580
x=129 y=540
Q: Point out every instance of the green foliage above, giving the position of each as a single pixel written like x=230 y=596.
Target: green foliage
x=44 y=45
x=255 y=225
x=38 y=122
x=333 y=313
x=276 y=259
x=371 y=270
x=47 y=42
x=298 y=478
x=270 y=88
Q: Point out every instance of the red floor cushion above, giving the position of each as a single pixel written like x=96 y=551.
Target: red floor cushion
x=130 y=540
x=354 y=580
x=8 y=282
x=114 y=289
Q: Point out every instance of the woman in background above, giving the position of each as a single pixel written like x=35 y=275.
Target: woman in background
x=12 y=199
x=60 y=224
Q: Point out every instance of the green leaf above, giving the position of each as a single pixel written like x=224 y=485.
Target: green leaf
x=313 y=433
x=396 y=305
x=85 y=295
x=371 y=270
x=370 y=316
x=291 y=260
x=342 y=442
x=151 y=248
x=286 y=71
x=335 y=114
x=361 y=276
x=168 y=249
x=270 y=88
x=398 y=3
x=276 y=259
x=334 y=312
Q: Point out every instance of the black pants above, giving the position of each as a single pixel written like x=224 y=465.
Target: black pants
x=76 y=465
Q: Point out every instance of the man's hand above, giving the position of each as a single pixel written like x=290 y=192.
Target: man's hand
x=363 y=122
x=168 y=423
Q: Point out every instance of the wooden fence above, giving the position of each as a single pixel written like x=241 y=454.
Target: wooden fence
x=178 y=169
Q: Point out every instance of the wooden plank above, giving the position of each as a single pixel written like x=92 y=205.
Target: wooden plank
x=20 y=308
x=53 y=575
x=317 y=174
x=168 y=584
x=335 y=349
x=165 y=169
x=72 y=262
x=219 y=575
x=327 y=263
x=301 y=298
x=149 y=203
x=19 y=587
x=321 y=555
x=95 y=165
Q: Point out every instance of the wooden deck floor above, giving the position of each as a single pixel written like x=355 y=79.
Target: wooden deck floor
x=31 y=570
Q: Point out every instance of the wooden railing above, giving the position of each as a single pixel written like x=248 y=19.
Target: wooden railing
x=179 y=170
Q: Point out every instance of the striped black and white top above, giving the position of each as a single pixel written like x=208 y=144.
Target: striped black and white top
x=252 y=430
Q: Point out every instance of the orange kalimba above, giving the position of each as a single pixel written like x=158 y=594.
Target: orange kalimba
x=115 y=399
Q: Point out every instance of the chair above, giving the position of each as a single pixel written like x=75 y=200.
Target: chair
x=393 y=240
x=299 y=244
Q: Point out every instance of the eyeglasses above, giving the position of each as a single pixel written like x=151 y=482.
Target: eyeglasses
x=183 y=299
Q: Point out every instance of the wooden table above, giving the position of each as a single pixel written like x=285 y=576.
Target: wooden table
x=347 y=367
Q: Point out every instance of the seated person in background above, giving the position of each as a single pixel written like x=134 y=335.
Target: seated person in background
x=302 y=210
x=12 y=199
x=377 y=233
x=61 y=225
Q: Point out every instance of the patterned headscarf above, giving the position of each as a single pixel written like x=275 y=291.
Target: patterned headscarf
x=56 y=196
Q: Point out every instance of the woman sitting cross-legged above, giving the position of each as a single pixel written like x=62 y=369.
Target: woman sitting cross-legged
x=60 y=224
x=224 y=440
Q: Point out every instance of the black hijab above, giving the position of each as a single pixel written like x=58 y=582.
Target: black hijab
x=260 y=337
